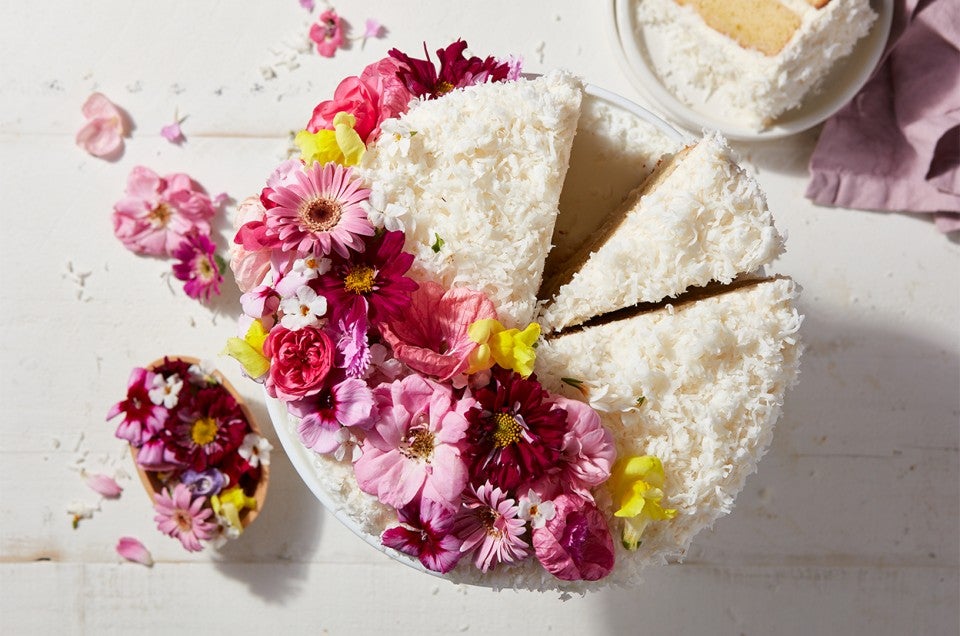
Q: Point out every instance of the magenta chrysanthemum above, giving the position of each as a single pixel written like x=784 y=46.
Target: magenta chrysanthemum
x=515 y=434
x=206 y=429
x=184 y=517
x=456 y=71
x=197 y=267
x=320 y=212
x=489 y=526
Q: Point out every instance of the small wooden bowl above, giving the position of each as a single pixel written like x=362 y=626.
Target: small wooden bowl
x=152 y=483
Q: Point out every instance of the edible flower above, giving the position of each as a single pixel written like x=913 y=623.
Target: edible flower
x=327 y=33
x=510 y=348
x=102 y=134
x=248 y=351
x=132 y=550
x=636 y=485
x=341 y=145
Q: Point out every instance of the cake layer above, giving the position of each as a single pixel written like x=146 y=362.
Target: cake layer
x=764 y=25
x=711 y=374
x=474 y=179
x=706 y=69
x=699 y=217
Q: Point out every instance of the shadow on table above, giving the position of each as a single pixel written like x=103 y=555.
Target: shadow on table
x=274 y=553
x=862 y=474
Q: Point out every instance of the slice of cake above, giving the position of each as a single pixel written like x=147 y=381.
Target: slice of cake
x=749 y=60
x=474 y=179
x=698 y=385
x=698 y=218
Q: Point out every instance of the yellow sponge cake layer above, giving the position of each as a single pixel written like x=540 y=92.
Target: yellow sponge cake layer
x=764 y=25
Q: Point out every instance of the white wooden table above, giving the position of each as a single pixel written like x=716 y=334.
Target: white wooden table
x=850 y=526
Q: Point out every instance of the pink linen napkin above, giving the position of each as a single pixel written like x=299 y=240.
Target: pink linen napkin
x=896 y=146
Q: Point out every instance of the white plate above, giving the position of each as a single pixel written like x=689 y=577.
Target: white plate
x=839 y=86
x=303 y=459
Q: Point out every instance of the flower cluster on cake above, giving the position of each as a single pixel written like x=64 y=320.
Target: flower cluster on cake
x=390 y=278
x=196 y=450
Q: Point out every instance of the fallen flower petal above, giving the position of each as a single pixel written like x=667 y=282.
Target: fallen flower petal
x=132 y=550
x=173 y=133
x=103 y=133
x=308 y=5
x=372 y=29
x=106 y=486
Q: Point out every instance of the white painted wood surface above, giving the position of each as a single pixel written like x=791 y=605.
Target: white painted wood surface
x=850 y=526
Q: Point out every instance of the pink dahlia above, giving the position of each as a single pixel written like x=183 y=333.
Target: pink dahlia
x=346 y=404
x=327 y=33
x=575 y=544
x=413 y=449
x=197 y=267
x=431 y=336
x=371 y=282
x=321 y=212
x=426 y=532
x=456 y=71
x=158 y=213
x=184 y=517
x=515 y=433
x=299 y=362
x=141 y=417
x=490 y=527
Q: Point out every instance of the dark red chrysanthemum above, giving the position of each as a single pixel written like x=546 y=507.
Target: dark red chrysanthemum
x=206 y=429
x=456 y=71
x=373 y=279
x=515 y=435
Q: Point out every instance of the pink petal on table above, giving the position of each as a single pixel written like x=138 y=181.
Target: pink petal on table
x=98 y=106
x=106 y=486
x=132 y=550
x=172 y=133
x=100 y=137
x=307 y=4
x=373 y=29
x=220 y=199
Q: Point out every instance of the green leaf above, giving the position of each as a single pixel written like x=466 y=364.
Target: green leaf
x=437 y=244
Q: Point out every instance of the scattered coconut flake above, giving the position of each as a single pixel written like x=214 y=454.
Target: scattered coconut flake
x=81 y=510
x=132 y=550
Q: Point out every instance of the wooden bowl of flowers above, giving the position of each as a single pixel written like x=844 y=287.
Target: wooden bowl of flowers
x=199 y=453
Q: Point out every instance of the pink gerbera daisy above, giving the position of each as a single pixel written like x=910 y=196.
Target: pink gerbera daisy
x=320 y=211
x=490 y=526
x=184 y=517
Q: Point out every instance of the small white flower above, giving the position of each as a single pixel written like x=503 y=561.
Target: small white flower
x=256 y=450
x=536 y=511
x=165 y=391
x=348 y=446
x=202 y=373
x=303 y=310
x=399 y=133
x=310 y=267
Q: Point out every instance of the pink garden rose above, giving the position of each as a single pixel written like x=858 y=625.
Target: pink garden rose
x=299 y=362
x=158 y=213
x=431 y=335
x=249 y=266
x=575 y=545
x=381 y=77
x=413 y=449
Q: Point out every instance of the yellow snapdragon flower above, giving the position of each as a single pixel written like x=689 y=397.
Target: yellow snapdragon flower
x=341 y=145
x=248 y=351
x=510 y=348
x=636 y=487
x=228 y=505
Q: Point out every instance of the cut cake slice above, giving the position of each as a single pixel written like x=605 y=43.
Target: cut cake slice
x=699 y=385
x=474 y=179
x=698 y=218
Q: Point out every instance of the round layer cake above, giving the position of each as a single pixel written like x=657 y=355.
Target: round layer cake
x=496 y=369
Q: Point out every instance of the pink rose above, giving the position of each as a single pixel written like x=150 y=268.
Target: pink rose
x=381 y=78
x=299 y=362
x=249 y=266
x=431 y=336
x=576 y=544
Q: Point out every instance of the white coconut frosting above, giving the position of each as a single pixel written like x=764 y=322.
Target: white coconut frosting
x=474 y=179
x=707 y=220
x=704 y=67
x=712 y=375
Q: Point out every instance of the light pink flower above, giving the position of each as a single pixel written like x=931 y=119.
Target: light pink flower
x=249 y=267
x=413 y=449
x=372 y=29
x=490 y=527
x=158 y=213
x=184 y=517
x=261 y=303
x=347 y=404
x=132 y=550
x=588 y=451
x=431 y=335
x=426 y=533
x=393 y=95
x=321 y=212
x=575 y=544
x=327 y=33
x=307 y=4
x=102 y=135
x=173 y=133
x=105 y=485
x=353 y=349
x=299 y=362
